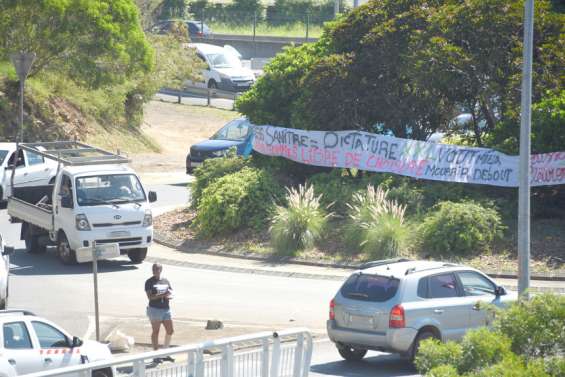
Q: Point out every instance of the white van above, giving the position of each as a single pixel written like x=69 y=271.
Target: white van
x=96 y=199
x=224 y=69
x=31 y=169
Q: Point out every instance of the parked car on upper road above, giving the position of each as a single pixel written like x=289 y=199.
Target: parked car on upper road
x=393 y=305
x=31 y=169
x=224 y=69
x=237 y=134
x=196 y=29
x=33 y=344
x=5 y=252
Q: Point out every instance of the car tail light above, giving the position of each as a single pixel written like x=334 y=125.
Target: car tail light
x=332 y=306
x=396 y=320
x=199 y=34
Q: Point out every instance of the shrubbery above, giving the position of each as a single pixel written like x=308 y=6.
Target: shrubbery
x=527 y=341
x=211 y=170
x=377 y=225
x=459 y=229
x=300 y=223
x=243 y=198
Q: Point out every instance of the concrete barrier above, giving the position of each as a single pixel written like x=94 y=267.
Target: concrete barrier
x=253 y=47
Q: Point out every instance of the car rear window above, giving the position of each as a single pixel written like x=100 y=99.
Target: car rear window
x=366 y=287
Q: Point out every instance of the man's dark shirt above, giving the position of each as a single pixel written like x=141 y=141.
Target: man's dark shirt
x=158 y=286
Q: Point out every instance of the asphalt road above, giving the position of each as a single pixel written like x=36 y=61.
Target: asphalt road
x=64 y=294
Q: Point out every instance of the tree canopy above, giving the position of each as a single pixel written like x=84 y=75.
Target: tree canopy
x=93 y=42
x=408 y=67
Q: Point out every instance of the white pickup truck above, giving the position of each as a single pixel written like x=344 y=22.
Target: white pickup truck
x=95 y=199
x=30 y=169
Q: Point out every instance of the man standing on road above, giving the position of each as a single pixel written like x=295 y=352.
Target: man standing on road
x=159 y=292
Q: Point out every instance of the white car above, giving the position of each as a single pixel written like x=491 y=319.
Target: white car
x=32 y=344
x=224 y=69
x=5 y=253
x=31 y=169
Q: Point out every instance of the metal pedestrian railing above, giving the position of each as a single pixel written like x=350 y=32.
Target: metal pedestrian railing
x=284 y=354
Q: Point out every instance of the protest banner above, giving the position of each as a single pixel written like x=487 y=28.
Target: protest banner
x=413 y=158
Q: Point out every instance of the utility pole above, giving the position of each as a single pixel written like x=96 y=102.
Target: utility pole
x=336 y=8
x=22 y=61
x=525 y=151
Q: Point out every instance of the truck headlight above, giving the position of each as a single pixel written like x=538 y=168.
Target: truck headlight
x=82 y=222
x=148 y=218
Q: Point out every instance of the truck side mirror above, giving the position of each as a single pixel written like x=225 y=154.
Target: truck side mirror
x=9 y=250
x=152 y=196
x=66 y=201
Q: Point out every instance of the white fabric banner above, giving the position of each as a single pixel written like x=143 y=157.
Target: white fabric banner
x=418 y=159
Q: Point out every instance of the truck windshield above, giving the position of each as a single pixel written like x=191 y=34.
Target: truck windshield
x=3 y=155
x=109 y=189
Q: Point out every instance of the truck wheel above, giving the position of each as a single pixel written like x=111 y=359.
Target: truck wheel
x=2 y=304
x=351 y=354
x=33 y=245
x=64 y=251
x=137 y=255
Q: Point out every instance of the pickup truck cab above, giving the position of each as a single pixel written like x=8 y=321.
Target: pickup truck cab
x=94 y=200
x=30 y=344
x=30 y=169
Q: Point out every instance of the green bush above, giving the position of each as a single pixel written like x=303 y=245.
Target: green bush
x=239 y=199
x=336 y=189
x=482 y=348
x=443 y=371
x=376 y=225
x=433 y=353
x=555 y=366
x=211 y=170
x=300 y=223
x=459 y=229
x=535 y=327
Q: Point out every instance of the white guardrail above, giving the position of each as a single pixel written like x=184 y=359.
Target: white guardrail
x=284 y=354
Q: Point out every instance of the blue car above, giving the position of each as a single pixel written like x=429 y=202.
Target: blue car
x=237 y=133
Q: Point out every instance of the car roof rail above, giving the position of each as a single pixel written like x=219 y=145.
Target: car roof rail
x=414 y=269
x=12 y=311
x=383 y=262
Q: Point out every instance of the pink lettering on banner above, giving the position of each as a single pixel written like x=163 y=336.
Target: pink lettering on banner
x=352 y=160
x=317 y=156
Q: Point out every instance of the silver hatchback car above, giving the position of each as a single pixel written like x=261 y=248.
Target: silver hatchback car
x=393 y=305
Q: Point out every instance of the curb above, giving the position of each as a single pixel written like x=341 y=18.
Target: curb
x=162 y=240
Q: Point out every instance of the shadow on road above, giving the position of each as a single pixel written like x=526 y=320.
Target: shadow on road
x=25 y=264
x=376 y=366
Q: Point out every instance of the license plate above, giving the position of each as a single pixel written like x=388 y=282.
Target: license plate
x=119 y=233
x=195 y=164
x=360 y=320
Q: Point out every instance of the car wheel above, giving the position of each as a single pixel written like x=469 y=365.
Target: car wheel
x=3 y=304
x=212 y=84
x=351 y=354
x=137 y=255
x=64 y=251
x=419 y=339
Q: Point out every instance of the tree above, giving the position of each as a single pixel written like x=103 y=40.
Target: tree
x=409 y=67
x=93 y=42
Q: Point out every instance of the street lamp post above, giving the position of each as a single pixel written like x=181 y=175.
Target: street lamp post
x=525 y=131
x=22 y=62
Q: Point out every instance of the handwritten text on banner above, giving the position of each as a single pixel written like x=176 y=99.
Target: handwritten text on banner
x=419 y=159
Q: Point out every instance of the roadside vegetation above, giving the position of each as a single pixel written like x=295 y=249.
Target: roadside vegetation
x=94 y=70
x=525 y=340
x=349 y=80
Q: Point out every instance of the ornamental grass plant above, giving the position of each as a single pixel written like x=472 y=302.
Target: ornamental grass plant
x=300 y=223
